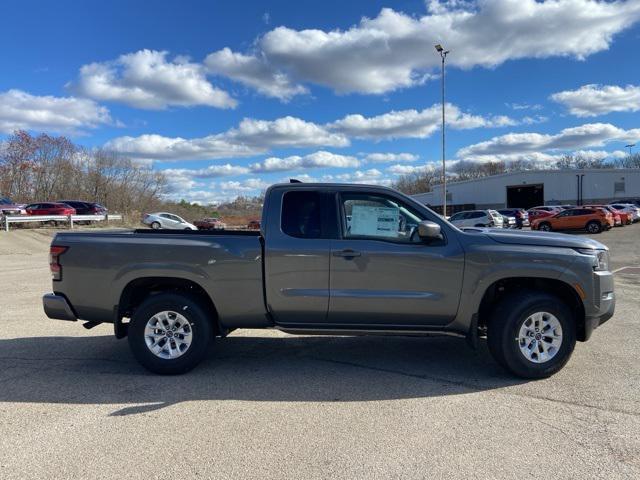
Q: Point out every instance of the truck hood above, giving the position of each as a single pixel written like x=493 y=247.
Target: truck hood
x=544 y=239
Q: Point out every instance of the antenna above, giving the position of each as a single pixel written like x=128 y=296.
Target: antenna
x=294 y=180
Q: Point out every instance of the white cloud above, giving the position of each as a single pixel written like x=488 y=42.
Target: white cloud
x=528 y=120
x=248 y=185
x=413 y=123
x=147 y=79
x=21 y=110
x=399 y=169
x=314 y=160
x=592 y=100
x=391 y=157
x=254 y=72
x=372 y=176
x=251 y=137
x=395 y=50
x=587 y=135
x=185 y=178
x=524 y=106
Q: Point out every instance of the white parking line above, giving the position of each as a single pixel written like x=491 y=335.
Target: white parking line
x=622 y=268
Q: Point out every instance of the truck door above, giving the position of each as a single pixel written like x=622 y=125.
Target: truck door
x=297 y=256
x=383 y=274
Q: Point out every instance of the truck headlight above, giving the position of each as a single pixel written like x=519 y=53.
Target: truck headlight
x=601 y=258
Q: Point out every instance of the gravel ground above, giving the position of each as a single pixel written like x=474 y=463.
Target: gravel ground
x=74 y=403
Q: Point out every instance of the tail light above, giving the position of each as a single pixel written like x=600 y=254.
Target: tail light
x=54 y=261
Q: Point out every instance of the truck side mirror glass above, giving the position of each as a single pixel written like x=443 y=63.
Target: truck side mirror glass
x=428 y=230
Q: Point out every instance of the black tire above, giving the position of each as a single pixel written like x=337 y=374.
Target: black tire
x=504 y=328
x=544 y=226
x=199 y=324
x=155 y=225
x=593 y=227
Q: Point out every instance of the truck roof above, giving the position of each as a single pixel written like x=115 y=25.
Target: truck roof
x=328 y=185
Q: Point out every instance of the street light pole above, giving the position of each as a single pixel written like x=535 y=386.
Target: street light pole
x=443 y=55
x=630 y=146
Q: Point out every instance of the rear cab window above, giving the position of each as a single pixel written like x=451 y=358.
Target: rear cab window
x=302 y=214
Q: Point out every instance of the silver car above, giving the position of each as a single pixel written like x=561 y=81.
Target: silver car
x=167 y=221
x=477 y=218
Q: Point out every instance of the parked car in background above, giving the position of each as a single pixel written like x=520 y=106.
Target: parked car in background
x=211 y=223
x=617 y=217
x=550 y=208
x=49 y=208
x=537 y=212
x=593 y=220
x=476 y=218
x=513 y=212
x=85 y=208
x=629 y=209
x=167 y=221
x=507 y=221
x=254 y=225
x=7 y=207
x=631 y=201
x=625 y=217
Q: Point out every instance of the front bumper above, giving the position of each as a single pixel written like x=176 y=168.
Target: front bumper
x=604 y=303
x=58 y=307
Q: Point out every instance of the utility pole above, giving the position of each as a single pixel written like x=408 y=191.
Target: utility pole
x=443 y=55
x=630 y=146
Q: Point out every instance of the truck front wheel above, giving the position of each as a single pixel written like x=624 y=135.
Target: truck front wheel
x=169 y=333
x=531 y=334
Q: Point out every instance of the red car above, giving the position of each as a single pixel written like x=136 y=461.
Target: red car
x=617 y=217
x=254 y=225
x=49 y=208
x=210 y=224
x=541 y=212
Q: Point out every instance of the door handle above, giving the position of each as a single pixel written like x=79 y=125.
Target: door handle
x=346 y=253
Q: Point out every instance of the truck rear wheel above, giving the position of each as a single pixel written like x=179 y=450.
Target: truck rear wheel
x=170 y=333
x=532 y=334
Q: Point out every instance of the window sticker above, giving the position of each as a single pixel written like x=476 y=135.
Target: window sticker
x=374 y=221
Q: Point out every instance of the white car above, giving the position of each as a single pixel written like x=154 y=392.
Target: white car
x=167 y=221
x=477 y=218
x=627 y=208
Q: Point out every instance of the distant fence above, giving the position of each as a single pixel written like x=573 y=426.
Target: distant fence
x=68 y=219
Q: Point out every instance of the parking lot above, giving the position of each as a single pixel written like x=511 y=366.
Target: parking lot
x=74 y=403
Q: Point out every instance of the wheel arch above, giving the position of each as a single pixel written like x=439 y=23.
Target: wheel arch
x=567 y=293
x=139 y=289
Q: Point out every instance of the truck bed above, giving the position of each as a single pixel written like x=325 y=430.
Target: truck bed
x=97 y=268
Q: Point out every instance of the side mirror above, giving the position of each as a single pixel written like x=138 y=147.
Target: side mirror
x=428 y=230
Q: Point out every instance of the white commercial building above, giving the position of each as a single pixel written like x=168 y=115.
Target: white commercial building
x=537 y=187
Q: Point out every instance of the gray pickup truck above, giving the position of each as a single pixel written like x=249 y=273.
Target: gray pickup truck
x=342 y=260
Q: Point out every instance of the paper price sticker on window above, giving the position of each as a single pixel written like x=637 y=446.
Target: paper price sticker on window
x=374 y=221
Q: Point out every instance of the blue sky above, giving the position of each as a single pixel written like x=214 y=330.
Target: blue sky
x=228 y=97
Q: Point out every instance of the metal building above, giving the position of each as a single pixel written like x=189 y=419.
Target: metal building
x=537 y=187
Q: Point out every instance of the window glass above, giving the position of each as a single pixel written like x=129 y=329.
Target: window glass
x=457 y=216
x=566 y=213
x=476 y=215
x=379 y=217
x=301 y=217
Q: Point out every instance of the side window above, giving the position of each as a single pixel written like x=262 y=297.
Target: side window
x=476 y=215
x=378 y=217
x=301 y=216
x=457 y=216
x=566 y=213
x=165 y=215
